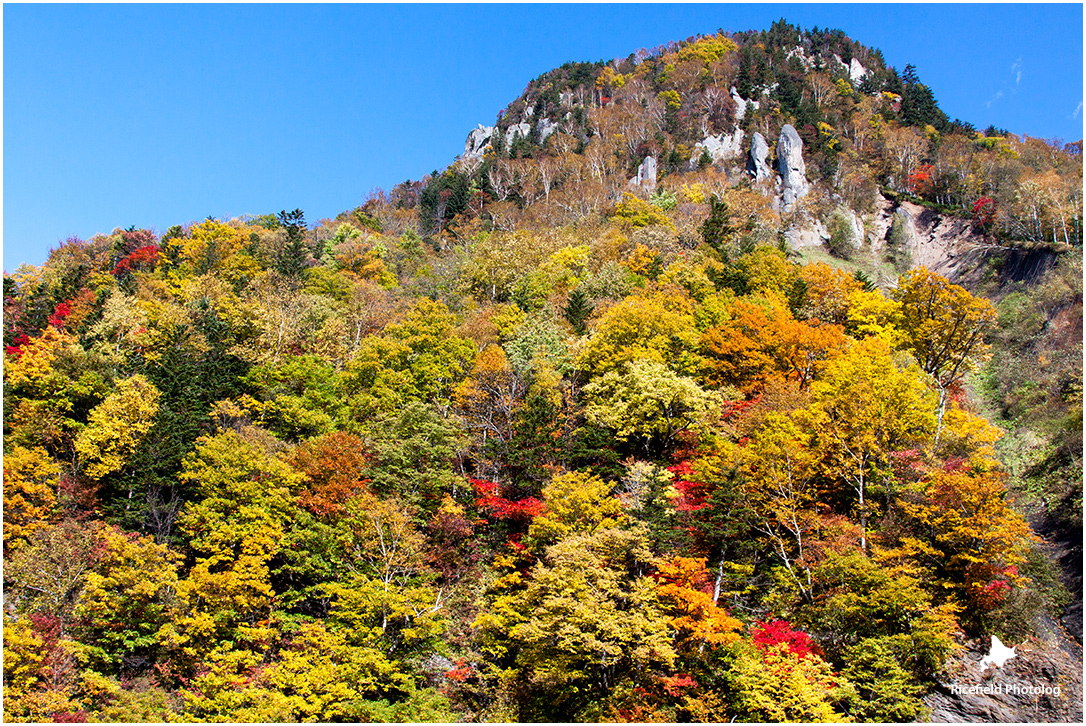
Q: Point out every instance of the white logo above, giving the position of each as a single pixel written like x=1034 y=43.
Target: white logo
x=1000 y=654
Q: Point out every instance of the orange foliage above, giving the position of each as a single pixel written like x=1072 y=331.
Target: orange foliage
x=683 y=585
x=333 y=466
x=760 y=343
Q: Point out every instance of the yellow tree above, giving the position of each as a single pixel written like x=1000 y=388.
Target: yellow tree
x=235 y=526
x=649 y=402
x=863 y=408
x=656 y=327
x=575 y=503
x=905 y=147
x=117 y=426
x=488 y=399
x=30 y=482
x=778 y=464
x=209 y=245
x=31 y=692
x=944 y=327
x=383 y=603
x=589 y=623
x=828 y=291
x=779 y=685
x=126 y=599
x=982 y=540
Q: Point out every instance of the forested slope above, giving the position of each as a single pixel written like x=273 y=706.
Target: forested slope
x=640 y=410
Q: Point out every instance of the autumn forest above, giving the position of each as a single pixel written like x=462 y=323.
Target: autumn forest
x=556 y=434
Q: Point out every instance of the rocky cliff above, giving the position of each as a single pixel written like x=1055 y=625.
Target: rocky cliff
x=1041 y=683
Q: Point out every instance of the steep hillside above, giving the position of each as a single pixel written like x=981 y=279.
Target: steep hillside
x=864 y=140
x=660 y=403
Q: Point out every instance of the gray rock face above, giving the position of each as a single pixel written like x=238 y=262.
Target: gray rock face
x=856 y=227
x=477 y=141
x=740 y=104
x=546 y=128
x=646 y=175
x=758 y=164
x=521 y=129
x=1041 y=683
x=792 y=169
x=856 y=72
x=721 y=147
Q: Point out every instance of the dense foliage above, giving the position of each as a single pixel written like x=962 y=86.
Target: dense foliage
x=519 y=443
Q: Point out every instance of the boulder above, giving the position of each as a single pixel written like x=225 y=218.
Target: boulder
x=758 y=163
x=792 y=169
x=646 y=175
x=810 y=234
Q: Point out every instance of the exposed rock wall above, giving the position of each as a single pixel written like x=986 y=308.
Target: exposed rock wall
x=521 y=129
x=478 y=139
x=758 y=163
x=740 y=104
x=720 y=147
x=546 y=128
x=856 y=71
x=1041 y=683
x=793 y=171
x=646 y=175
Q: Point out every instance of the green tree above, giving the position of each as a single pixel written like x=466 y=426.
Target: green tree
x=291 y=260
x=717 y=230
x=417 y=358
x=577 y=309
x=298 y=398
x=413 y=454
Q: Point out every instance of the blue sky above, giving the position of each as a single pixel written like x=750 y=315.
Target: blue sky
x=153 y=115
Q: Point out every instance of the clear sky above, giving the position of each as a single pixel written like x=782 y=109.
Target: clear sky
x=153 y=115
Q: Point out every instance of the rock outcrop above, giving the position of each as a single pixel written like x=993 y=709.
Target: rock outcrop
x=758 y=163
x=521 y=129
x=792 y=169
x=853 y=68
x=477 y=141
x=482 y=136
x=720 y=147
x=856 y=71
x=546 y=127
x=646 y=175
x=811 y=234
x=1041 y=683
x=740 y=104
